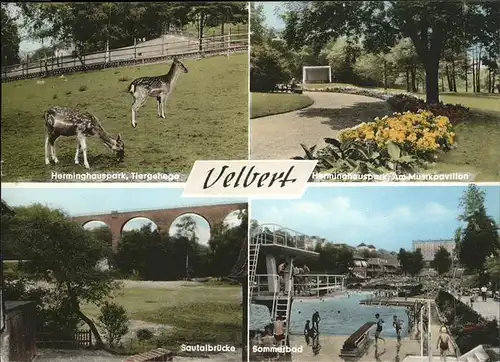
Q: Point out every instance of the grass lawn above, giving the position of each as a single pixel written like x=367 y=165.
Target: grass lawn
x=266 y=104
x=478 y=146
x=197 y=313
x=206 y=118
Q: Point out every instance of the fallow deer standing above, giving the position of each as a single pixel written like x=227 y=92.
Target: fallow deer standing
x=159 y=87
x=63 y=121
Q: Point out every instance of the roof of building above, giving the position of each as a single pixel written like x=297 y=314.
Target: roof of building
x=371 y=246
x=362 y=244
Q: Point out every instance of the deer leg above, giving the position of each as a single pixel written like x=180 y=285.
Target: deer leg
x=52 y=143
x=83 y=146
x=163 y=100
x=47 y=160
x=77 y=153
x=139 y=100
x=158 y=106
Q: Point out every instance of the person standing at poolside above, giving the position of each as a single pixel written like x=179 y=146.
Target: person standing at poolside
x=398 y=326
x=315 y=320
x=308 y=332
x=281 y=272
x=380 y=327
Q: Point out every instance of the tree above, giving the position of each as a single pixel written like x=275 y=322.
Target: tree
x=442 y=261
x=60 y=252
x=479 y=238
x=10 y=38
x=114 y=320
x=257 y=26
x=411 y=263
x=430 y=25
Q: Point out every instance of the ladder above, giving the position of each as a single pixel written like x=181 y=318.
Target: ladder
x=283 y=306
x=253 y=257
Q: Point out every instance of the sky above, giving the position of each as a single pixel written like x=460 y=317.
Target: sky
x=388 y=217
x=85 y=201
x=272 y=20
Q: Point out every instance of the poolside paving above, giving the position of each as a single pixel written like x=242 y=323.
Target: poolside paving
x=489 y=309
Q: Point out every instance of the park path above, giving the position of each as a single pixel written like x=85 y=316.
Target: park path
x=279 y=136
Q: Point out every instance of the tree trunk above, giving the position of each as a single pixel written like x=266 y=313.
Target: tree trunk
x=385 y=74
x=453 y=76
x=466 y=72
x=407 y=79
x=448 y=78
x=478 y=71
x=442 y=83
x=201 y=30
x=431 y=81
x=98 y=340
x=413 y=77
x=474 y=75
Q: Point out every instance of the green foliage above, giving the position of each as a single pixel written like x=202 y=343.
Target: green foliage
x=114 y=320
x=144 y=334
x=442 y=261
x=151 y=255
x=411 y=262
x=267 y=69
x=360 y=158
x=90 y=26
x=432 y=27
x=10 y=38
x=60 y=252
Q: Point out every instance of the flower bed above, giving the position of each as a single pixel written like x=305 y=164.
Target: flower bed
x=404 y=102
x=408 y=103
x=352 y=90
x=419 y=133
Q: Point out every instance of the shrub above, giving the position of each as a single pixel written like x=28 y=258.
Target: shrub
x=82 y=88
x=114 y=320
x=267 y=69
x=421 y=133
x=144 y=334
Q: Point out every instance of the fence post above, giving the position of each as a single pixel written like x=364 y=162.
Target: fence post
x=229 y=42
x=163 y=44
x=135 y=48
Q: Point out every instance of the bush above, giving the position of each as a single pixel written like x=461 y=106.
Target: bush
x=267 y=69
x=421 y=134
x=144 y=334
x=114 y=320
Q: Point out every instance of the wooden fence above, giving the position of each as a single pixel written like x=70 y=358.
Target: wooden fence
x=81 y=339
x=151 y=51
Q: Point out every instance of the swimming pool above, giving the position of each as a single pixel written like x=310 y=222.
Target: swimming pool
x=352 y=315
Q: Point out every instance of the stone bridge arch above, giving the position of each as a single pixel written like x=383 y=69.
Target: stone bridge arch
x=163 y=218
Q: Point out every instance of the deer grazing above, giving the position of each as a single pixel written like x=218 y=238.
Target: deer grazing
x=160 y=87
x=63 y=121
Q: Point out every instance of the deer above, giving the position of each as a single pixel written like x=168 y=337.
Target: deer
x=159 y=87
x=68 y=122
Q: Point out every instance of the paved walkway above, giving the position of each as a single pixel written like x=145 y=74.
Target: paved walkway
x=489 y=309
x=279 y=136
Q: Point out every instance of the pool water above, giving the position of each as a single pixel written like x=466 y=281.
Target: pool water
x=352 y=315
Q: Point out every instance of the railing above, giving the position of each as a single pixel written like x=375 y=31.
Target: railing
x=150 y=51
x=303 y=285
x=273 y=234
